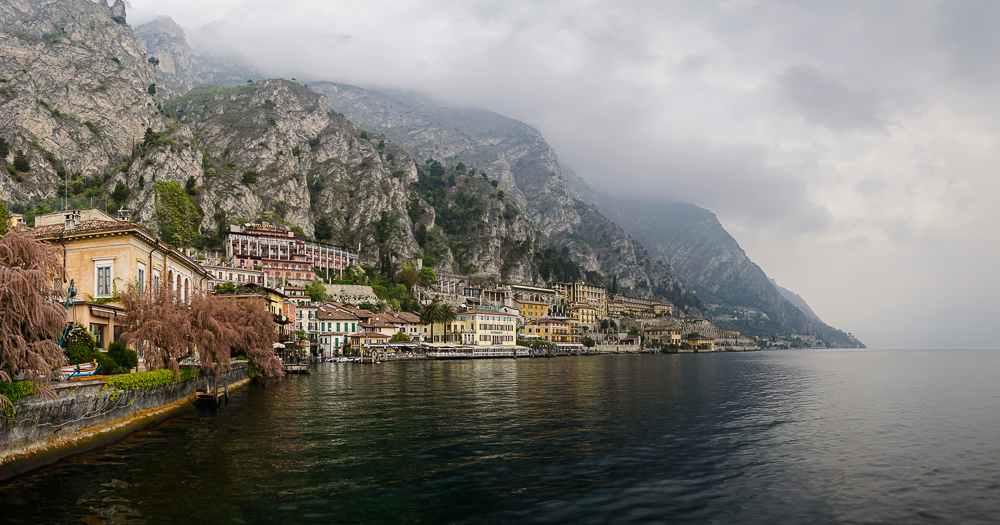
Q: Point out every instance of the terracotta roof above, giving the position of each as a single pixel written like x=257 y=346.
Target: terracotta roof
x=87 y=226
x=377 y=324
x=328 y=314
x=408 y=317
x=49 y=231
x=389 y=318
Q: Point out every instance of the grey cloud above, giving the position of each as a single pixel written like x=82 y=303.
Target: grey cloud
x=677 y=99
x=969 y=31
x=736 y=182
x=824 y=101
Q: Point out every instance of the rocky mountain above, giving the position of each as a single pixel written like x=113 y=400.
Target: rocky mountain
x=711 y=262
x=75 y=93
x=82 y=109
x=527 y=170
x=178 y=68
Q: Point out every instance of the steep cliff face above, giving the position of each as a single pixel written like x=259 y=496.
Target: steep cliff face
x=467 y=220
x=274 y=150
x=74 y=91
x=527 y=169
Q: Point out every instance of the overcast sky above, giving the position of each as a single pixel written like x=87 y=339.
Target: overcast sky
x=852 y=148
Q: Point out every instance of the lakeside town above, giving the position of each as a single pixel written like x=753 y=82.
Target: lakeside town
x=320 y=315
x=108 y=328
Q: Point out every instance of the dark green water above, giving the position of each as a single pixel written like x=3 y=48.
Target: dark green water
x=839 y=436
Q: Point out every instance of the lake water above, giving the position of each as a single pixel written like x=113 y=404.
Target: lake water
x=806 y=436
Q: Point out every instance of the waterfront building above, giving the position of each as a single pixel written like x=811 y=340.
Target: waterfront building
x=283 y=312
x=586 y=314
x=332 y=319
x=282 y=253
x=523 y=292
x=663 y=334
x=478 y=326
x=532 y=309
x=331 y=343
x=413 y=327
x=366 y=338
x=380 y=325
x=623 y=305
x=103 y=255
x=236 y=275
x=305 y=318
x=554 y=330
x=581 y=292
x=702 y=342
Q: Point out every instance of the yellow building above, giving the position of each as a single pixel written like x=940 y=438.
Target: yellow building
x=662 y=309
x=103 y=256
x=559 y=331
x=477 y=326
x=623 y=305
x=584 y=313
x=15 y=221
x=533 y=310
x=580 y=292
x=364 y=339
x=703 y=342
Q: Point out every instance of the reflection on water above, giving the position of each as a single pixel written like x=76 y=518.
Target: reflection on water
x=796 y=437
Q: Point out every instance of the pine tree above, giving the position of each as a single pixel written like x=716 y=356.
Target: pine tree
x=323 y=230
x=21 y=162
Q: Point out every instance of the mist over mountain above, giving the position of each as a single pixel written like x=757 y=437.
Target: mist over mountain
x=706 y=258
x=467 y=191
x=796 y=300
x=527 y=169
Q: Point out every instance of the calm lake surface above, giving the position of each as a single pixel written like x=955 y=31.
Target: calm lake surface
x=806 y=436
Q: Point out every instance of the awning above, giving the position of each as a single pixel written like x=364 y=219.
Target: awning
x=279 y=345
x=105 y=312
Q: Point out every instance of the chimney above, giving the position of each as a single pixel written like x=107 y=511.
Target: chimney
x=123 y=215
x=72 y=220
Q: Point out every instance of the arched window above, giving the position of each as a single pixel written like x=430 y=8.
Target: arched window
x=187 y=290
x=170 y=278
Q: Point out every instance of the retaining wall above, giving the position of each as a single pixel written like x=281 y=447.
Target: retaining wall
x=85 y=415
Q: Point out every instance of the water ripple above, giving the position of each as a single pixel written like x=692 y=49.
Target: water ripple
x=767 y=437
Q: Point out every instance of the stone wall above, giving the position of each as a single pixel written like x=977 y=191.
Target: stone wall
x=85 y=415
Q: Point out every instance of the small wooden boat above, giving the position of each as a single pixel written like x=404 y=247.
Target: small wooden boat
x=80 y=370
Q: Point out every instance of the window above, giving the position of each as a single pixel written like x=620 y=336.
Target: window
x=97 y=330
x=103 y=282
x=156 y=280
x=141 y=275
